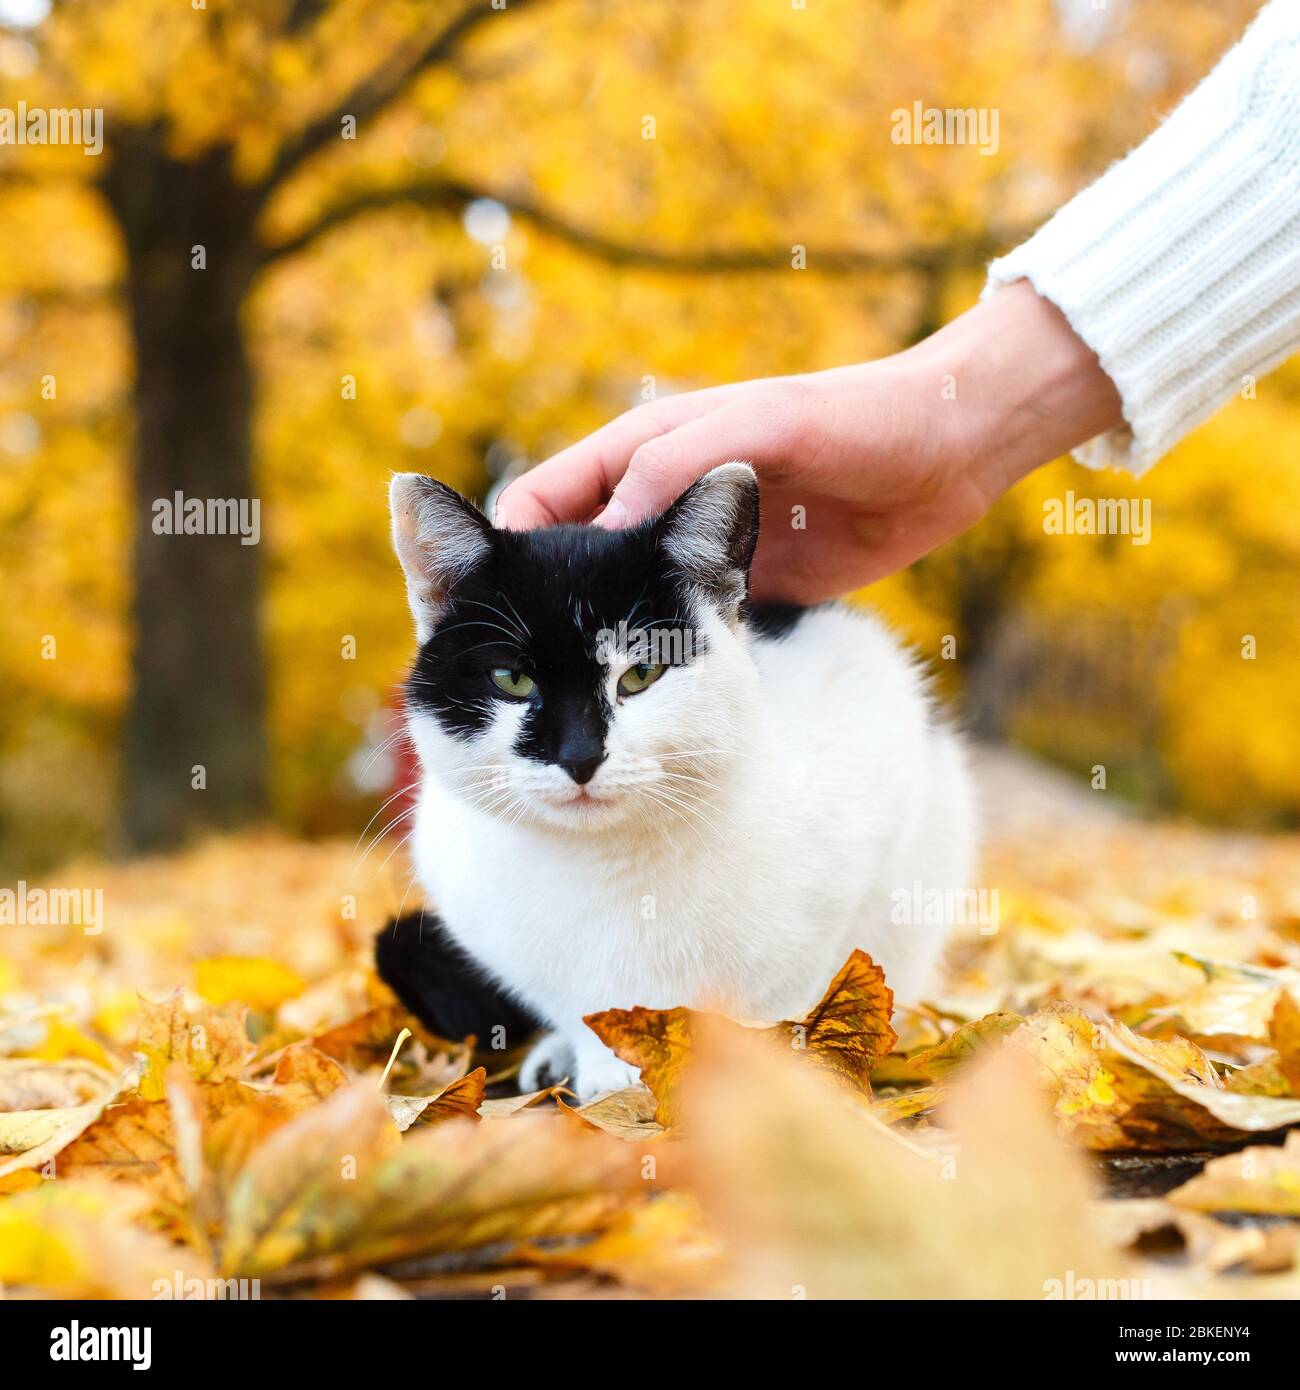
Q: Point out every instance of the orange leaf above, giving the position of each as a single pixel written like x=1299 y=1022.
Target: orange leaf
x=846 y=1033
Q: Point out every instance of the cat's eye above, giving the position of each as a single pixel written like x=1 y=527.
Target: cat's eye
x=636 y=678
x=513 y=683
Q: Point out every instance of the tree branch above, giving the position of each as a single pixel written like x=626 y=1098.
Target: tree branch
x=453 y=195
x=377 y=89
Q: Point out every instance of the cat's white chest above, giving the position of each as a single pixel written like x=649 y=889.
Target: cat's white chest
x=575 y=928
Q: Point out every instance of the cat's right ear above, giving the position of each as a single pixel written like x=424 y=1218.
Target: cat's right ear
x=439 y=538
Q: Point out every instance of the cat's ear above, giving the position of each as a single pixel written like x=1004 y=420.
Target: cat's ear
x=710 y=532
x=439 y=538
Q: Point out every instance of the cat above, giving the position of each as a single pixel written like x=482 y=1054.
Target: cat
x=638 y=787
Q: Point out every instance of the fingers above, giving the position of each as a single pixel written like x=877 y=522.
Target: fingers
x=749 y=429
x=578 y=481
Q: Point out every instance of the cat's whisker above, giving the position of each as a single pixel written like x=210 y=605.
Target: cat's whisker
x=388 y=801
x=392 y=738
x=519 y=626
x=392 y=852
x=695 y=808
x=397 y=820
x=673 y=808
x=477 y=622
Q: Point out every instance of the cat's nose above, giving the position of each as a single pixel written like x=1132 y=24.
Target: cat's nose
x=582 y=769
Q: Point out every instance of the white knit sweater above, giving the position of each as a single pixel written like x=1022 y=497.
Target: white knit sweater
x=1180 y=266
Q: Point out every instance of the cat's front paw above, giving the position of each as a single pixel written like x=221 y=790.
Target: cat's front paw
x=550 y=1061
x=598 y=1075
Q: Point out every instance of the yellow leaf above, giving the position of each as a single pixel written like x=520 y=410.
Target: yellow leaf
x=1265 y=1181
x=260 y=984
x=64 y=1041
x=76 y=1239
x=211 y=1044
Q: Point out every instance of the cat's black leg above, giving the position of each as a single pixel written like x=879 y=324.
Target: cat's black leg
x=446 y=990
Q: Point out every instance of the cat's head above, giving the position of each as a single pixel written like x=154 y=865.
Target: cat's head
x=576 y=676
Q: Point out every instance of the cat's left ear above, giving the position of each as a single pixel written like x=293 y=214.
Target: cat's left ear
x=439 y=537
x=710 y=532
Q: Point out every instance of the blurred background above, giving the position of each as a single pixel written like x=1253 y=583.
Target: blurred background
x=325 y=241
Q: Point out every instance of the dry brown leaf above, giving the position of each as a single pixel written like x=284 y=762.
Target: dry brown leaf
x=305 y=1073
x=846 y=1033
x=849 y=1029
x=1284 y=1034
x=134 y=1143
x=657 y=1042
x=211 y=1043
x=818 y=1200
x=660 y=1246
x=1208 y=1112
x=75 y=1122
x=1116 y=1090
x=337 y=1190
x=971 y=1040
x=627 y=1114
x=505 y=1106
x=460 y=1100
x=1265 y=1181
x=28 y=1083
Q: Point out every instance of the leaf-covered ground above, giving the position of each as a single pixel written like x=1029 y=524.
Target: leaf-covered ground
x=216 y=1088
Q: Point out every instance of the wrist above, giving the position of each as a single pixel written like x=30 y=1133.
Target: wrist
x=1019 y=386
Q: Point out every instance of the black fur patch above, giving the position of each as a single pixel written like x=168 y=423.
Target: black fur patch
x=773 y=621
x=418 y=960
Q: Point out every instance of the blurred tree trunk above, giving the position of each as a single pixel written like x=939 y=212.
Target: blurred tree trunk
x=197 y=703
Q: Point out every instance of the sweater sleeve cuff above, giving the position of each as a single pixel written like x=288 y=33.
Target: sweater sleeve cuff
x=1180 y=267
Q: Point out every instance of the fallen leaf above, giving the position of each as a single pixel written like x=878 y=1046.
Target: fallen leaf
x=627 y=1114
x=337 y=1189
x=132 y=1142
x=657 y=1042
x=212 y=1044
x=33 y=1084
x=1265 y=1181
x=74 y=1122
x=971 y=1040
x=77 y=1239
x=660 y=1246
x=460 y=1100
x=247 y=980
x=846 y=1033
x=21 y=1130
x=503 y=1107
x=306 y=1073
x=817 y=1200
x=1284 y=1035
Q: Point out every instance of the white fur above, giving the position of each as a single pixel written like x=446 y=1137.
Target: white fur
x=757 y=811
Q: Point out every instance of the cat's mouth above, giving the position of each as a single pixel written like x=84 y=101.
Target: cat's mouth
x=581 y=796
x=579 y=805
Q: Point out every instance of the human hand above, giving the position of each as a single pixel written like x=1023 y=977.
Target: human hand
x=862 y=469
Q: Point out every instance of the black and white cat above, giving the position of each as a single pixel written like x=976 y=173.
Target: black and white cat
x=640 y=789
